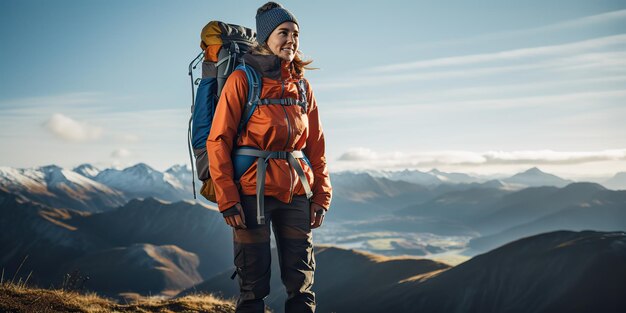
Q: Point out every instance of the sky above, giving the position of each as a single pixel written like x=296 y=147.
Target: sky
x=480 y=87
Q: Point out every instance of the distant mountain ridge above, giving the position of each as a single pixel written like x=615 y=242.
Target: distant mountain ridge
x=99 y=189
x=534 y=177
x=618 y=181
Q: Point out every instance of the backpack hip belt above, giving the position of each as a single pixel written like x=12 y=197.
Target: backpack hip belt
x=262 y=158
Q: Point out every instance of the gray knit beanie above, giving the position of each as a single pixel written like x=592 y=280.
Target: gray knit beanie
x=267 y=21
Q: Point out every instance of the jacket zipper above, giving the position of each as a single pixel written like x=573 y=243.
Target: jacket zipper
x=282 y=94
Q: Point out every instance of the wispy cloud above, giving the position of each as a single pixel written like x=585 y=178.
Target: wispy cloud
x=364 y=158
x=569 y=25
x=409 y=107
x=551 y=50
x=71 y=130
x=585 y=58
x=72 y=98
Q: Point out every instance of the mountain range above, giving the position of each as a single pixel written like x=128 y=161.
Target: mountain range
x=86 y=188
x=489 y=209
x=89 y=188
x=115 y=231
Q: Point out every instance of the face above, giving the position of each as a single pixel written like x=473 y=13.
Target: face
x=283 y=41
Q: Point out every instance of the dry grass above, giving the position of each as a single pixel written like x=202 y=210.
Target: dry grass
x=17 y=297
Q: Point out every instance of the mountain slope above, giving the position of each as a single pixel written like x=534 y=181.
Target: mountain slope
x=553 y=272
x=618 y=181
x=20 y=298
x=532 y=203
x=192 y=227
x=609 y=214
x=142 y=268
x=87 y=170
x=342 y=280
x=360 y=195
x=172 y=246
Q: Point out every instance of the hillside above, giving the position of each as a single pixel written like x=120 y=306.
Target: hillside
x=560 y=271
x=599 y=216
x=19 y=298
x=147 y=246
x=350 y=274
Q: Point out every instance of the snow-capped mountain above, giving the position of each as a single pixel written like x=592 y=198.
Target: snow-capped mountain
x=413 y=176
x=60 y=188
x=88 y=188
x=87 y=170
x=141 y=181
x=454 y=178
x=182 y=175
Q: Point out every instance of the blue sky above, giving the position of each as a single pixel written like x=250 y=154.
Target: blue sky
x=473 y=86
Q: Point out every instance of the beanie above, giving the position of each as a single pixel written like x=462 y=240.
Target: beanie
x=267 y=21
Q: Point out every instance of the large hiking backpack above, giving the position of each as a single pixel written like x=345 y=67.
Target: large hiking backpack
x=222 y=47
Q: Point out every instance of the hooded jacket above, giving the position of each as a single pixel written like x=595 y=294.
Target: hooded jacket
x=271 y=128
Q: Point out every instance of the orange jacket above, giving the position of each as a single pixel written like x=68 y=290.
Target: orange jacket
x=272 y=128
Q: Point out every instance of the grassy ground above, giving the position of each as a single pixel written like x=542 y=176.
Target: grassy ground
x=17 y=297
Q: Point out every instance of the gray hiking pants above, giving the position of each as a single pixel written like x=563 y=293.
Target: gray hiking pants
x=292 y=231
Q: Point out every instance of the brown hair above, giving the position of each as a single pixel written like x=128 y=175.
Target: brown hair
x=298 y=65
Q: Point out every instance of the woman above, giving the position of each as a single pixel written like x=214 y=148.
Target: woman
x=272 y=127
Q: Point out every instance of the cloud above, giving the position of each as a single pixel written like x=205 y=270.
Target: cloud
x=121 y=153
x=71 y=130
x=364 y=158
x=552 y=50
x=60 y=100
x=586 y=58
x=541 y=31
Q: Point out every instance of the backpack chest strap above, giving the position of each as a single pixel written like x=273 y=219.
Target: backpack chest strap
x=283 y=101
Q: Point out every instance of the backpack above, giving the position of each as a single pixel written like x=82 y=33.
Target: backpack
x=223 y=47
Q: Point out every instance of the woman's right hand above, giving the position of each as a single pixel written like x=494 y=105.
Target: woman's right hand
x=237 y=220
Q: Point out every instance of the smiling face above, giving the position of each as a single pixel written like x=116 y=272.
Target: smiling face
x=283 y=41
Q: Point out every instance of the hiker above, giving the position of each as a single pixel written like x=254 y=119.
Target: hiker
x=288 y=185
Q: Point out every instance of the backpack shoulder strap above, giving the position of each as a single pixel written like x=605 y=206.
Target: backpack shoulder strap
x=302 y=88
x=254 y=94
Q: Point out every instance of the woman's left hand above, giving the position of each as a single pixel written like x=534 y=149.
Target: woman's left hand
x=317 y=215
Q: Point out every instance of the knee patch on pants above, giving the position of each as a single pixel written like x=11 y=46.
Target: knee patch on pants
x=252 y=261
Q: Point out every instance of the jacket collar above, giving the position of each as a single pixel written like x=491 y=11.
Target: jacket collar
x=270 y=66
